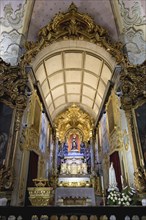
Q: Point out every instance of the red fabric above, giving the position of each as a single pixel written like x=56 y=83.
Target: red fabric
x=33 y=168
x=114 y=157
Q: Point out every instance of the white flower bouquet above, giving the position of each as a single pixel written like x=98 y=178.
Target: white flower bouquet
x=127 y=197
x=113 y=196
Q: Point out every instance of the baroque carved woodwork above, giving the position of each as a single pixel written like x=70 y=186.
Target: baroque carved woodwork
x=74 y=121
x=13 y=85
x=72 y=25
x=133 y=85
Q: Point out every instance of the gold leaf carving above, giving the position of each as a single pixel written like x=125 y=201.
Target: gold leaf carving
x=74 y=120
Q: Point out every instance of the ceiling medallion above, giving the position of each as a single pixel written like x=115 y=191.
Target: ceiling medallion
x=74 y=121
x=76 y=26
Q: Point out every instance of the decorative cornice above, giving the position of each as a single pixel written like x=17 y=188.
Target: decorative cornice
x=76 y=26
x=13 y=84
x=133 y=85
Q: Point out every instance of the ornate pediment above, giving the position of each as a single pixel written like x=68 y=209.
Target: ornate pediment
x=74 y=120
x=76 y=26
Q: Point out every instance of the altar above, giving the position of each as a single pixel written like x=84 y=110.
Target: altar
x=74 y=196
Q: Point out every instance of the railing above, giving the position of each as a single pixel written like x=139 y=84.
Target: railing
x=73 y=213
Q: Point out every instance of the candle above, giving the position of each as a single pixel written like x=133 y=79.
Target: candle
x=102 y=184
x=122 y=182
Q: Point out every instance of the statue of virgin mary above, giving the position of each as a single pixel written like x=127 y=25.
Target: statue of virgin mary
x=112 y=177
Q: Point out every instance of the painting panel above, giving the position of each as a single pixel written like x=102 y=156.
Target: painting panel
x=6 y=114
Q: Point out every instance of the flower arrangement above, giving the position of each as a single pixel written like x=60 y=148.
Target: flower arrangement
x=126 y=197
x=113 y=196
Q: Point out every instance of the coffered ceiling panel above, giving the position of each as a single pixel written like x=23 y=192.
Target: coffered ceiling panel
x=90 y=79
x=73 y=88
x=93 y=64
x=106 y=73
x=88 y=91
x=73 y=76
x=73 y=60
x=40 y=74
x=56 y=79
x=58 y=91
x=45 y=88
x=49 y=100
x=53 y=64
x=59 y=101
x=73 y=98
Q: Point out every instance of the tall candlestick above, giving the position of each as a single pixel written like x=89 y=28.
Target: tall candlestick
x=102 y=184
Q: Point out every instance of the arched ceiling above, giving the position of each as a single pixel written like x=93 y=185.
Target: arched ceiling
x=72 y=65
x=73 y=76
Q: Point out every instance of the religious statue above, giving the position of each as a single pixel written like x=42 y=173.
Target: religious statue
x=112 y=177
x=74 y=143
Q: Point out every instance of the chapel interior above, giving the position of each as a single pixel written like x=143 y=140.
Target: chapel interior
x=72 y=101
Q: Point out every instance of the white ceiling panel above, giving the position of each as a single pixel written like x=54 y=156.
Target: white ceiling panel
x=96 y=109
x=51 y=109
x=101 y=88
x=53 y=64
x=45 y=88
x=87 y=101
x=73 y=60
x=56 y=79
x=58 y=92
x=49 y=100
x=73 y=76
x=88 y=92
x=40 y=74
x=98 y=100
x=93 y=64
x=106 y=73
x=73 y=88
x=90 y=79
x=73 y=98
x=59 y=101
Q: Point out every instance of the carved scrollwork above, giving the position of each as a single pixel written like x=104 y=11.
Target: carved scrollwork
x=133 y=85
x=6 y=178
x=74 y=121
x=13 y=86
x=76 y=26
